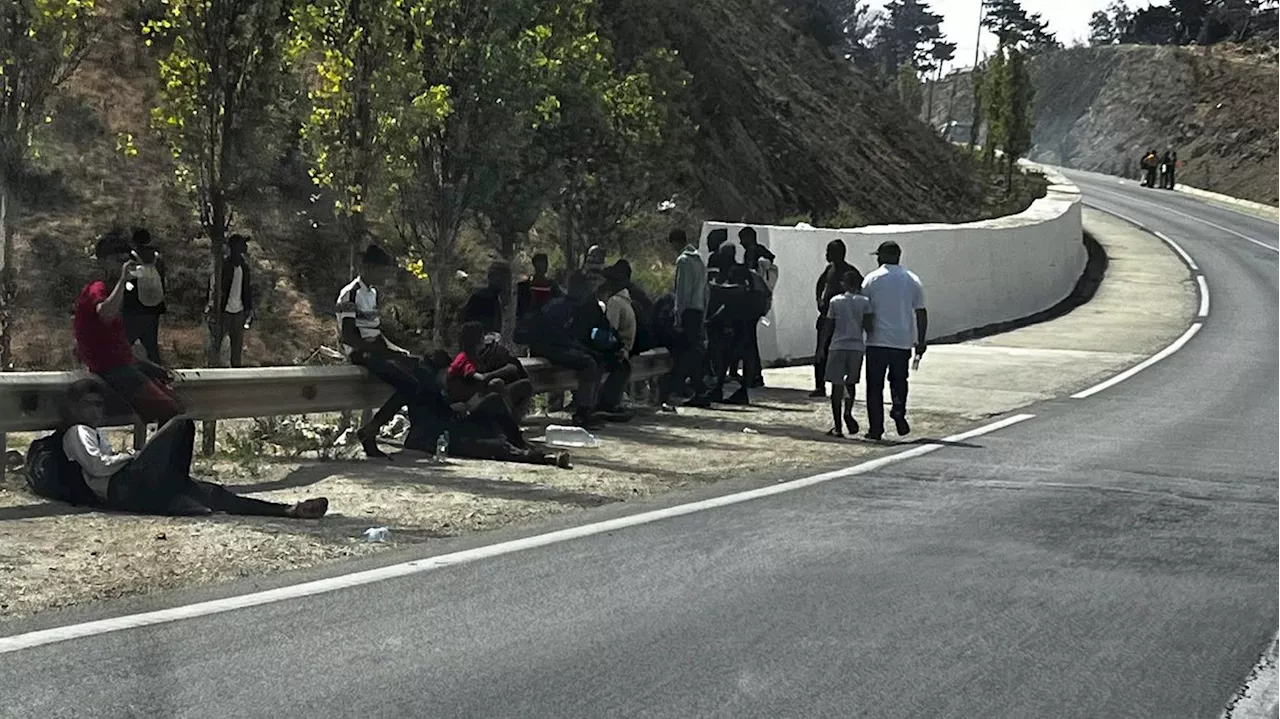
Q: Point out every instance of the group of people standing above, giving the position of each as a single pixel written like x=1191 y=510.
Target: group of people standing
x=1161 y=169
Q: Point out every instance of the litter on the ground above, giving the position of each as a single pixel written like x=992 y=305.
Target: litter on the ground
x=576 y=437
x=377 y=534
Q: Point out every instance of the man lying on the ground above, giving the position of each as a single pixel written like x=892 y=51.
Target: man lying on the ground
x=480 y=428
x=473 y=371
x=103 y=345
x=155 y=480
x=360 y=327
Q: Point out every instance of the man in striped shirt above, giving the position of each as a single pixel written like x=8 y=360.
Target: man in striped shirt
x=360 y=332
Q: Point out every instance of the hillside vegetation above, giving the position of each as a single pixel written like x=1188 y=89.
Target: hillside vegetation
x=778 y=127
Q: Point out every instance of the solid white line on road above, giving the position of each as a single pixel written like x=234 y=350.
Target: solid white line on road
x=1204 y=297
x=1180 y=213
x=1162 y=354
x=1178 y=248
x=1260 y=695
x=42 y=637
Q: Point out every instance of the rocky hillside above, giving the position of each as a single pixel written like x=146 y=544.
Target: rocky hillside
x=784 y=129
x=1101 y=108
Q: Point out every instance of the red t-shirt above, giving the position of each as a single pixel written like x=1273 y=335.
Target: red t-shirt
x=461 y=386
x=101 y=345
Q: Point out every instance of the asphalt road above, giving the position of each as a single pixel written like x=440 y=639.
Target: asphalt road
x=1114 y=557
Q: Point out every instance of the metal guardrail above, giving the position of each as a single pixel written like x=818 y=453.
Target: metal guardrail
x=31 y=401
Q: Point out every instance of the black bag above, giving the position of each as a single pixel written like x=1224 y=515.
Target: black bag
x=645 y=339
x=53 y=475
x=663 y=327
x=760 y=297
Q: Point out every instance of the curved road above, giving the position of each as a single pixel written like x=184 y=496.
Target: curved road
x=1114 y=556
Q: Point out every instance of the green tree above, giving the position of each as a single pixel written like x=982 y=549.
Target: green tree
x=905 y=36
x=909 y=91
x=42 y=42
x=1102 y=29
x=940 y=53
x=350 y=50
x=1020 y=123
x=995 y=104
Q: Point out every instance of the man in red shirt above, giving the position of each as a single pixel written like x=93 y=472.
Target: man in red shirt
x=101 y=342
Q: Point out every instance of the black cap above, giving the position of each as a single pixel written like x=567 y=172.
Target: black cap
x=888 y=248
x=111 y=243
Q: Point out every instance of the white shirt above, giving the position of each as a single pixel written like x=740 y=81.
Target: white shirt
x=359 y=301
x=895 y=293
x=235 y=296
x=90 y=448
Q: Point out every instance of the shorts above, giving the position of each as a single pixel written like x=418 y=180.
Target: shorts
x=844 y=366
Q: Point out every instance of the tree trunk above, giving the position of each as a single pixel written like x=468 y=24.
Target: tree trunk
x=437 y=310
x=508 y=242
x=6 y=279
x=217 y=230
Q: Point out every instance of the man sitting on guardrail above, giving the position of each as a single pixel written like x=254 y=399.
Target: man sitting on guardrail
x=155 y=480
x=103 y=345
x=360 y=329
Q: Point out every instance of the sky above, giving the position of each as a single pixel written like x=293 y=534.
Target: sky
x=1068 y=19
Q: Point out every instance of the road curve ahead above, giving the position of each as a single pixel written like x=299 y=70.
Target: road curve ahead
x=1114 y=556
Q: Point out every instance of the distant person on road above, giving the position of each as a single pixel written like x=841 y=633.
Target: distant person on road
x=1173 y=171
x=360 y=332
x=900 y=323
x=849 y=316
x=157 y=479
x=753 y=255
x=486 y=304
x=689 y=316
x=1150 y=164
x=538 y=289
x=234 y=300
x=730 y=316
x=1165 y=161
x=144 y=298
x=829 y=285
x=103 y=346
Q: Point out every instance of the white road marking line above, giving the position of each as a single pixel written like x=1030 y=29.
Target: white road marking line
x=1178 y=248
x=42 y=637
x=1214 y=225
x=1162 y=354
x=1260 y=694
x=1204 y=297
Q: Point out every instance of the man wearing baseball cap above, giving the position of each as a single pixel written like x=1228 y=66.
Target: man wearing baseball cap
x=900 y=325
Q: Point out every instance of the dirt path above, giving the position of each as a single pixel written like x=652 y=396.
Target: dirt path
x=53 y=556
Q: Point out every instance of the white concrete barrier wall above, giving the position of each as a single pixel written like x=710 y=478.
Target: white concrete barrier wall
x=974 y=274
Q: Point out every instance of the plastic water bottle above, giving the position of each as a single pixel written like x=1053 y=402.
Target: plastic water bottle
x=562 y=436
x=442 y=448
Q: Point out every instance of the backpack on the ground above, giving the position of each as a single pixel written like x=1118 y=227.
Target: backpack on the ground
x=53 y=475
x=150 y=286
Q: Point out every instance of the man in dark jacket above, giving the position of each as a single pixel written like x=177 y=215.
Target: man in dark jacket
x=829 y=285
x=753 y=252
x=729 y=319
x=564 y=337
x=234 y=301
x=486 y=304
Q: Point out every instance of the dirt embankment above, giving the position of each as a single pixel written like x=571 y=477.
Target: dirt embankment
x=1101 y=108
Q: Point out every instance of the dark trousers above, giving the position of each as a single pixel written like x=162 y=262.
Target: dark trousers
x=752 y=366
x=580 y=361
x=141 y=386
x=397 y=371
x=728 y=346
x=232 y=329
x=1171 y=179
x=820 y=356
x=896 y=364
x=691 y=355
x=144 y=327
x=162 y=471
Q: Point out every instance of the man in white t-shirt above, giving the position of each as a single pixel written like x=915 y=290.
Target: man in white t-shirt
x=900 y=324
x=234 y=300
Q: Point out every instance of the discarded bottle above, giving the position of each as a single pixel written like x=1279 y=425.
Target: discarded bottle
x=377 y=534
x=915 y=364
x=577 y=437
x=442 y=448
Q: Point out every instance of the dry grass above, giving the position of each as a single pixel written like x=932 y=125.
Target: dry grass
x=52 y=556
